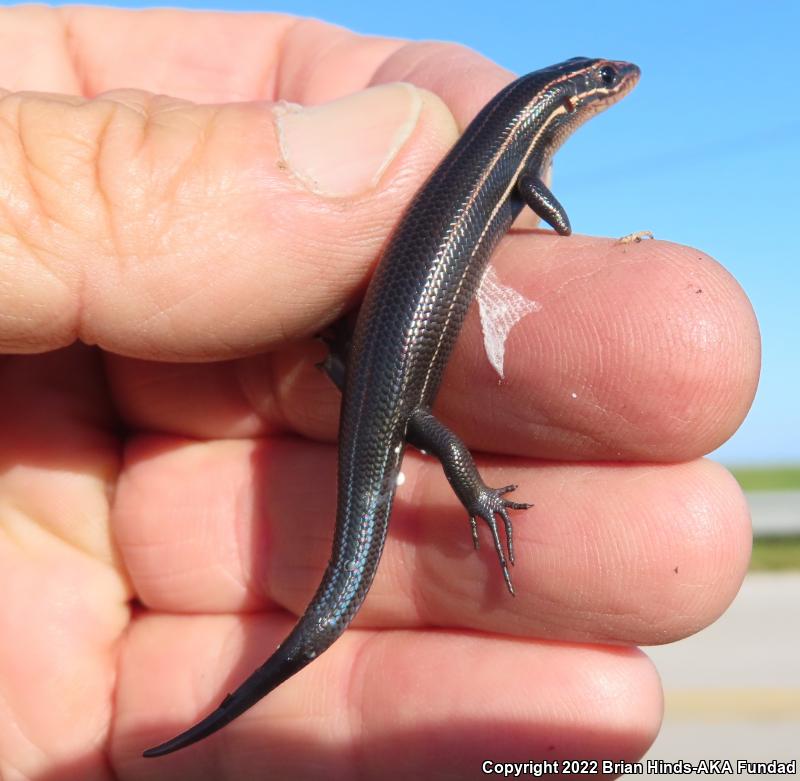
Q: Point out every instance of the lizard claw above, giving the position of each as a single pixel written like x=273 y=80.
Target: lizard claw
x=490 y=503
x=473 y=522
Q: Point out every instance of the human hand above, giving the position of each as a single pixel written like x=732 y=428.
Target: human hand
x=197 y=474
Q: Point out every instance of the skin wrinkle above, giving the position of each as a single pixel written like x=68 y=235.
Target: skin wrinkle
x=605 y=412
x=275 y=415
x=138 y=152
x=311 y=64
x=30 y=744
x=11 y=510
x=28 y=519
x=266 y=83
x=110 y=224
x=679 y=419
x=344 y=38
x=246 y=581
x=190 y=157
x=407 y=588
x=420 y=489
x=384 y=58
x=71 y=50
x=545 y=423
x=598 y=270
x=323 y=53
x=163 y=311
x=124 y=97
x=40 y=211
x=354 y=692
x=34 y=251
x=10 y=218
x=272 y=80
x=221 y=344
x=27 y=165
x=586 y=398
x=575 y=434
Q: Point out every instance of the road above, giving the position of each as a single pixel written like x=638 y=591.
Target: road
x=733 y=690
x=775 y=512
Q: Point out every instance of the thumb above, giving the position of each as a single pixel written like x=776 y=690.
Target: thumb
x=161 y=229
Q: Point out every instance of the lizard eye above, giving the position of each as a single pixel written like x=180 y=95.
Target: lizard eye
x=608 y=75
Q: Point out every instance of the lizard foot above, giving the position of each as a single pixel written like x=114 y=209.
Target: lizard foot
x=489 y=503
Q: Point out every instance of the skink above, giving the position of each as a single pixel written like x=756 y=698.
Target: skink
x=408 y=323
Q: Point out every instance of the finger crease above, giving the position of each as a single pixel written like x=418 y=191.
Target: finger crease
x=274 y=71
x=71 y=50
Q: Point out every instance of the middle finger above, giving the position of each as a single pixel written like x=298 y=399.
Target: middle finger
x=610 y=553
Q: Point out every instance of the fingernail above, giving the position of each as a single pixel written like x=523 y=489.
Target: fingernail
x=343 y=147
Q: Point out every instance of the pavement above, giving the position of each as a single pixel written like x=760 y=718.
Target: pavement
x=733 y=690
x=775 y=512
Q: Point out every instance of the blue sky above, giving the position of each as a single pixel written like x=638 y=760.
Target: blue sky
x=705 y=152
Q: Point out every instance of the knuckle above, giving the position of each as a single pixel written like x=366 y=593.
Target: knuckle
x=43 y=185
x=52 y=157
x=76 y=192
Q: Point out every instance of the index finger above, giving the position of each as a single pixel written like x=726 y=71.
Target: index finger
x=212 y=57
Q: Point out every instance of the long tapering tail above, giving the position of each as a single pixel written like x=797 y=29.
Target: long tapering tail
x=288 y=659
x=278 y=668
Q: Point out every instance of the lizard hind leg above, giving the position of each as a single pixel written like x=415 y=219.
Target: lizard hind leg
x=427 y=433
x=337 y=338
